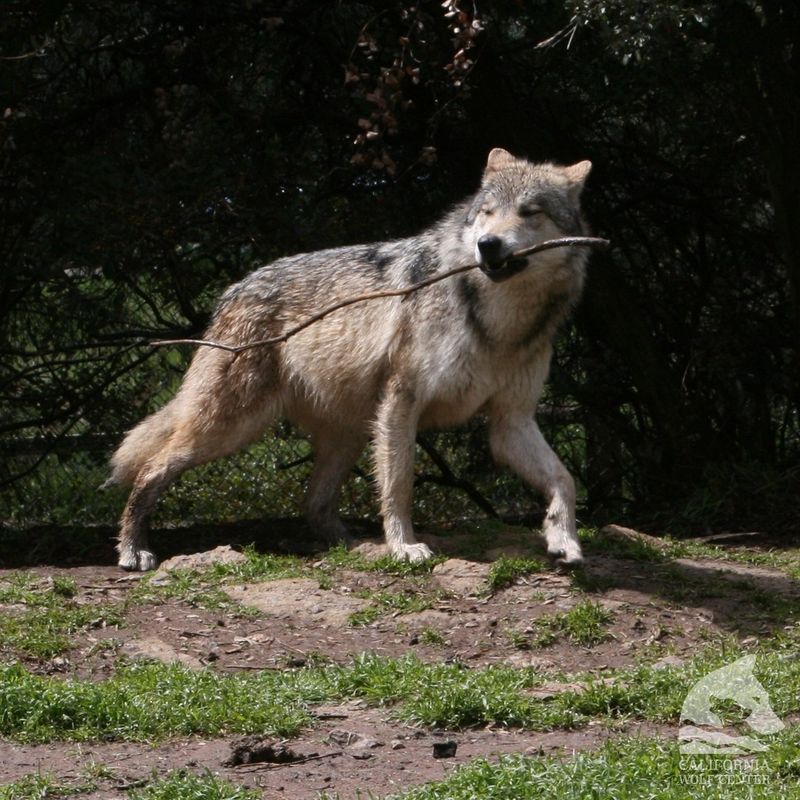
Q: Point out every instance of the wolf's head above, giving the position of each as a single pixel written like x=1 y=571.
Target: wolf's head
x=521 y=204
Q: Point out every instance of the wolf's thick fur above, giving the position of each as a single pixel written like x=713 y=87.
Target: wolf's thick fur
x=480 y=341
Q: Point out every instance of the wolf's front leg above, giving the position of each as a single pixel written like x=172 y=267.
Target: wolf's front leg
x=395 y=436
x=517 y=442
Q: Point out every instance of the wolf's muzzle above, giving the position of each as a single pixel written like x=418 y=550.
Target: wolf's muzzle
x=491 y=249
x=494 y=260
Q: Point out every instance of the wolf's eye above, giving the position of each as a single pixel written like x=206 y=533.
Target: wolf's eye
x=529 y=211
x=487 y=211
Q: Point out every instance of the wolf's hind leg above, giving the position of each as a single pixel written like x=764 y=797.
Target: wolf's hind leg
x=335 y=452
x=155 y=476
x=202 y=436
x=516 y=441
x=395 y=437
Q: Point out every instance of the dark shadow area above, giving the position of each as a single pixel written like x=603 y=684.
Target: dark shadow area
x=51 y=545
x=740 y=598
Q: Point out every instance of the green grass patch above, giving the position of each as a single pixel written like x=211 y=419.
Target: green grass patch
x=505 y=571
x=39 y=787
x=340 y=557
x=183 y=785
x=49 y=617
x=623 y=769
x=584 y=624
x=432 y=637
x=151 y=701
x=203 y=588
x=594 y=543
x=147 y=701
x=634 y=549
x=785 y=560
x=389 y=602
x=178 y=785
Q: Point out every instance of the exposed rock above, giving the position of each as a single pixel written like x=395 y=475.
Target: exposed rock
x=372 y=550
x=461 y=577
x=154 y=648
x=224 y=554
x=292 y=597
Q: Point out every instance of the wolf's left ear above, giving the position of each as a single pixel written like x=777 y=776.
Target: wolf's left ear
x=576 y=176
x=498 y=159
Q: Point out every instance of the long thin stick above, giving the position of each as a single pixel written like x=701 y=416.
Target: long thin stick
x=567 y=241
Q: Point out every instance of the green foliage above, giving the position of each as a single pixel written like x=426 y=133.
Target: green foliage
x=505 y=571
x=154 y=701
x=384 y=602
x=203 y=587
x=36 y=787
x=340 y=556
x=635 y=549
x=585 y=623
x=431 y=637
x=624 y=768
x=145 y=702
x=183 y=785
x=43 y=624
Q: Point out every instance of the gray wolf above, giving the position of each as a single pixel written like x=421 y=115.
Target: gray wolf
x=479 y=342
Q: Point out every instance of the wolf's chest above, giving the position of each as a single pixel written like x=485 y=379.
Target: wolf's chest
x=505 y=319
x=462 y=386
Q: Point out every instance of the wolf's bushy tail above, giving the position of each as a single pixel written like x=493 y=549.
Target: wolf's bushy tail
x=141 y=444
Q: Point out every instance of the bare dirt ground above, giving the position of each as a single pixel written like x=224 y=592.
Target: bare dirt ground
x=658 y=611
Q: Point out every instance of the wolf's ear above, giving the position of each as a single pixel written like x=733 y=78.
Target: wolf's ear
x=498 y=159
x=576 y=176
x=579 y=172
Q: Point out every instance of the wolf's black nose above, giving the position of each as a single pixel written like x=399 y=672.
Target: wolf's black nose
x=490 y=247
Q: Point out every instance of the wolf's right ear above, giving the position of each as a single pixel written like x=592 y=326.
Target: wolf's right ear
x=577 y=175
x=498 y=159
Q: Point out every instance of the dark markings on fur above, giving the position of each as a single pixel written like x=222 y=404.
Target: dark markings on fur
x=422 y=266
x=472 y=209
x=564 y=214
x=378 y=259
x=471 y=298
x=550 y=315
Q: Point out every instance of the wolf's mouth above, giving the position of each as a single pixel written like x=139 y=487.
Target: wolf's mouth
x=502 y=270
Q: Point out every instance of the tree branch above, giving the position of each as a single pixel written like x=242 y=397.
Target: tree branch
x=567 y=241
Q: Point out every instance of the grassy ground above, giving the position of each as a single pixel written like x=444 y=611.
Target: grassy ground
x=604 y=652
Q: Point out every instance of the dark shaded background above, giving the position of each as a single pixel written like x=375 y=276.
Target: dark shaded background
x=152 y=152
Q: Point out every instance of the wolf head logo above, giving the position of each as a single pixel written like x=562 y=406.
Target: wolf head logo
x=701 y=730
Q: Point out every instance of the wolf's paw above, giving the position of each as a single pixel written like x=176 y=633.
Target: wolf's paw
x=564 y=552
x=412 y=552
x=137 y=560
x=565 y=562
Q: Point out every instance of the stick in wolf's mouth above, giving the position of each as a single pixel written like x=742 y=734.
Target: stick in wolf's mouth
x=567 y=241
